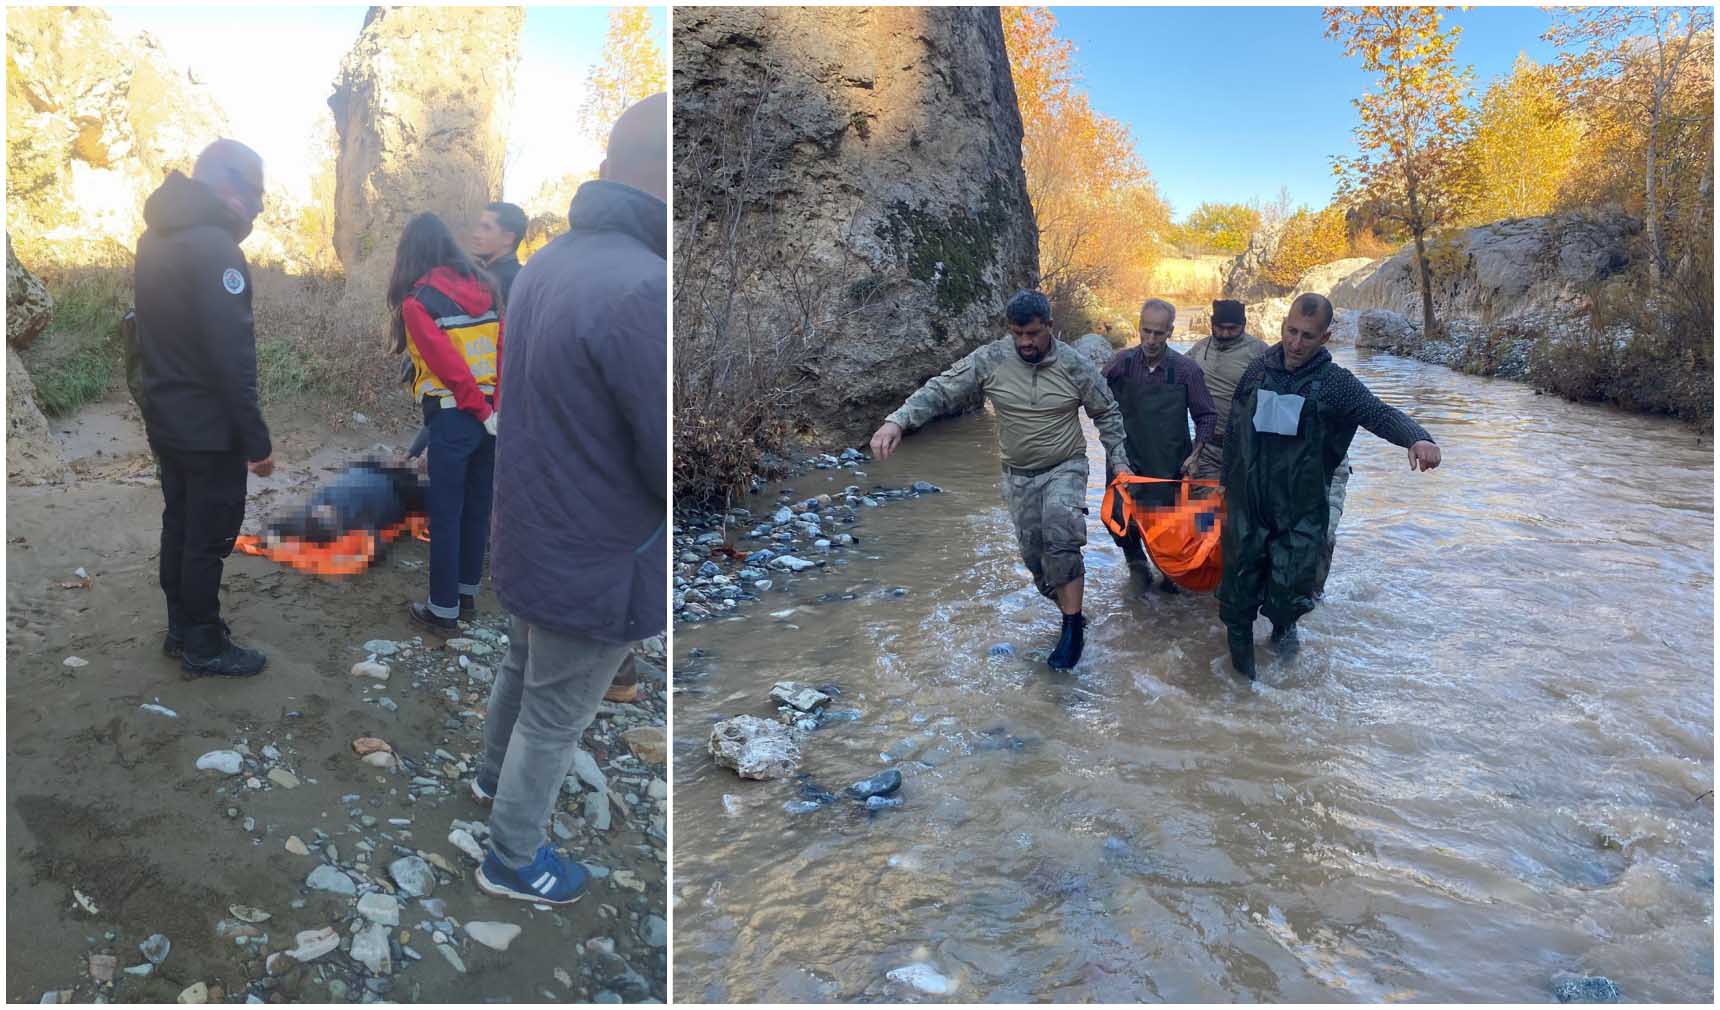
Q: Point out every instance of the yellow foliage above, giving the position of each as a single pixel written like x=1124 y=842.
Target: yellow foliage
x=1101 y=220
x=1524 y=147
x=633 y=68
x=1308 y=240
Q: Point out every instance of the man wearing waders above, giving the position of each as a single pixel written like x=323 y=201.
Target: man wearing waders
x=1224 y=355
x=1159 y=392
x=1037 y=385
x=1292 y=419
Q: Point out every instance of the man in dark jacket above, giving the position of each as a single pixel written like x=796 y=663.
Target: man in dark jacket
x=1160 y=392
x=1292 y=419
x=496 y=243
x=579 y=554
x=197 y=389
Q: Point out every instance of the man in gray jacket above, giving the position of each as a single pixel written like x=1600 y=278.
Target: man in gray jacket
x=578 y=553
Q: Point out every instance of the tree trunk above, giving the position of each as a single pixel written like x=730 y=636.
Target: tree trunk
x=1419 y=228
x=1651 y=210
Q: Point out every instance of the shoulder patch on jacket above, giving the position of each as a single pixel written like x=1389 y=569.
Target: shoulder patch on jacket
x=233 y=281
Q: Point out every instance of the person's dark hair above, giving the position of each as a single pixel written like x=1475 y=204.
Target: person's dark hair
x=425 y=245
x=1026 y=306
x=1315 y=307
x=511 y=219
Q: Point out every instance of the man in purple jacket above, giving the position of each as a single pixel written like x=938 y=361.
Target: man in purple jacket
x=579 y=551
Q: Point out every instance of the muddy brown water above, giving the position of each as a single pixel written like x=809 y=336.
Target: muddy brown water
x=1484 y=772
x=103 y=796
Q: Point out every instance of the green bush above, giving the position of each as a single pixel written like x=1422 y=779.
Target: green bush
x=80 y=356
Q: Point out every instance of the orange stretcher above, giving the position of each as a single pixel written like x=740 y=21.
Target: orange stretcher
x=1182 y=539
x=347 y=555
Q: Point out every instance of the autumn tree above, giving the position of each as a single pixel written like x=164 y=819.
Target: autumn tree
x=1101 y=219
x=1309 y=238
x=1524 y=145
x=632 y=68
x=1649 y=69
x=1411 y=124
x=1220 y=227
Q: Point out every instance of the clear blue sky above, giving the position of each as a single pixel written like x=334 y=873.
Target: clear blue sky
x=272 y=69
x=1229 y=103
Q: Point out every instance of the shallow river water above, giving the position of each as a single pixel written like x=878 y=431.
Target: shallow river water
x=1485 y=771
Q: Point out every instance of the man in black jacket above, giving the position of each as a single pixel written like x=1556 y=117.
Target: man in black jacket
x=197 y=390
x=580 y=548
x=496 y=243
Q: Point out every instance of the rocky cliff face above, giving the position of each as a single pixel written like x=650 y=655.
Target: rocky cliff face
x=419 y=106
x=1506 y=269
x=1245 y=277
x=93 y=123
x=850 y=209
x=32 y=452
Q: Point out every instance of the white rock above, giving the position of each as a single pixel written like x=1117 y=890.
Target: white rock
x=76 y=661
x=799 y=696
x=370 y=948
x=196 y=992
x=494 y=935
x=370 y=668
x=381 y=647
x=159 y=710
x=755 y=748
x=453 y=957
x=379 y=759
x=463 y=840
x=314 y=943
x=585 y=766
x=923 y=977
x=227 y=762
x=380 y=908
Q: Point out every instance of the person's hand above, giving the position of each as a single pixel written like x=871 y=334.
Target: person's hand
x=885 y=440
x=1187 y=468
x=1122 y=470
x=262 y=467
x=1423 y=456
x=423 y=464
x=491 y=421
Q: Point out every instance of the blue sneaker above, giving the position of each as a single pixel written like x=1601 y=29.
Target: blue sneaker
x=549 y=879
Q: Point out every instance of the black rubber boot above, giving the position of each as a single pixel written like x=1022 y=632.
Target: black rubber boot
x=1285 y=639
x=1068 y=651
x=1242 y=650
x=468 y=607
x=209 y=652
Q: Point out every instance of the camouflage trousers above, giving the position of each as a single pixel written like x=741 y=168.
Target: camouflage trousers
x=1050 y=515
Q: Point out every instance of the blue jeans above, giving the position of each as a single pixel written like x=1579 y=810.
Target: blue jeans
x=462 y=476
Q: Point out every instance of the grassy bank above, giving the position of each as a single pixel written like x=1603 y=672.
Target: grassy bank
x=308 y=350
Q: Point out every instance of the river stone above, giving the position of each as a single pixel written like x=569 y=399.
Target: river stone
x=1587 y=989
x=370 y=948
x=799 y=696
x=923 y=977
x=314 y=943
x=755 y=748
x=327 y=878
x=227 y=762
x=792 y=563
x=380 y=908
x=381 y=647
x=597 y=810
x=494 y=935
x=883 y=802
x=156 y=948
x=656 y=931
x=371 y=669
x=102 y=967
x=196 y=992
x=413 y=875
x=585 y=766
x=283 y=778
x=882 y=784
x=453 y=957
x=648 y=744
x=462 y=839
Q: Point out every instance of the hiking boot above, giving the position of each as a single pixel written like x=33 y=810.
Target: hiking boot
x=1241 y=650
x=209 y=652
x=624 y=689
x=421 y=616
x=468 y=607
x=1068 y=651
x=173 y=643
x=550 y=878
x=1285 y=639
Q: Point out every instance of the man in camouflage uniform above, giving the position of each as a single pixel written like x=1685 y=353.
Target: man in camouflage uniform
x=1037 y=385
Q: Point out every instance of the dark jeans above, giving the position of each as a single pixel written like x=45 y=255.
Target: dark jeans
x=462 y=473
x=204 y=495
